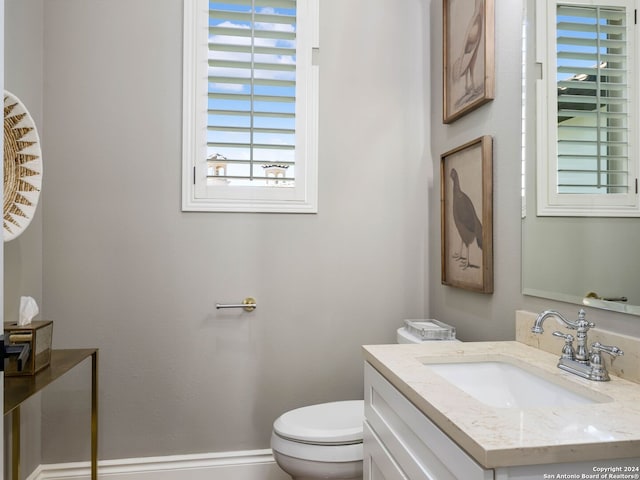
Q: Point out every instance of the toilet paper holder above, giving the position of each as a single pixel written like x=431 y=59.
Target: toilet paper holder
x=248 y=304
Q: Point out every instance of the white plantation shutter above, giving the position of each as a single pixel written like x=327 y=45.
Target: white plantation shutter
x=251 y=114
x=255 y=106
x=593 y=126
x=591 y=111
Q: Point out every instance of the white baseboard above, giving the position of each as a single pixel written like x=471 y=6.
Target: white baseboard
x=243 y=465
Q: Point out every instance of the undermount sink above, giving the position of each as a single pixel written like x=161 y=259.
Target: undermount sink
x=502 y=384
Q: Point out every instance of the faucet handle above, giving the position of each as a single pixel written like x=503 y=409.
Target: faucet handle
x=568 y=350
x=598 y=370
x=611 y=350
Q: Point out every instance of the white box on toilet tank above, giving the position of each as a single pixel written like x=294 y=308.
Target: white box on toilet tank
x=427 y=330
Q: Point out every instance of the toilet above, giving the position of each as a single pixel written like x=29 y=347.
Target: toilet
x=320 y=441
x=324 y=441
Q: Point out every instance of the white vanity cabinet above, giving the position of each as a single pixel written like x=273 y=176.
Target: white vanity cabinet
x=400 y=442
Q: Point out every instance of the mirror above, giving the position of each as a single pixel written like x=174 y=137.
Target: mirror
x=583 y=260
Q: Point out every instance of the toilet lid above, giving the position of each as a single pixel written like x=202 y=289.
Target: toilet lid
x=326 y=423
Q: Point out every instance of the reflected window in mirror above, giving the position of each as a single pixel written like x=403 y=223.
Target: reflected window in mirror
x=587 y=99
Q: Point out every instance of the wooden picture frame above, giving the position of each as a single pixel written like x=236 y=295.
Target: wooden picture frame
x=466 y=212
x=468 y=56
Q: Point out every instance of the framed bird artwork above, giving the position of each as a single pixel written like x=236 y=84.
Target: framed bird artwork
x=468 y=56
x=466 y=204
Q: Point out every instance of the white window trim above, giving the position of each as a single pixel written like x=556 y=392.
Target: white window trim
x=196 y=196
x=549 y=202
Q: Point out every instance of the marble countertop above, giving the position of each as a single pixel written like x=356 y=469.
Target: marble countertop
x=500 y=437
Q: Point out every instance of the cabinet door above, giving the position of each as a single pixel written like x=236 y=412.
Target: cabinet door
x=378 y=464
x=417 y=445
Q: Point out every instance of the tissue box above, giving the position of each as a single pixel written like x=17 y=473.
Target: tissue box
x=38 y=335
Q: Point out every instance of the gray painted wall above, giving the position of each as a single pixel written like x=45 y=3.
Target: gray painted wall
x=125 y=270
x=478 y=316
x=482 y=316
x=23 y=76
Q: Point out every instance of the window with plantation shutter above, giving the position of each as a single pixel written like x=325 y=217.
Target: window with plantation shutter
x=250 y=106
x=588 y=110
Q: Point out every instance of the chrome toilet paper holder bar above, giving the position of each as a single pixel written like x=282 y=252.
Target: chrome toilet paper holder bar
x=248 y=304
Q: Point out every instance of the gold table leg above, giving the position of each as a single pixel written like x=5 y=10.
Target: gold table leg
x=94 y=415
x=15 y=443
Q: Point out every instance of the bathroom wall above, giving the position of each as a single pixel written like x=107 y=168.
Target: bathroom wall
x=491 y=316
x=23 y=76
x=126 y=271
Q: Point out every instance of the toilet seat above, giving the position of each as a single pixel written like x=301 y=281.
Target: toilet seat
x=334 y=423
x=327 y=432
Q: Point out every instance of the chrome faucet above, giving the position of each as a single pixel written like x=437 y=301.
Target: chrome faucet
x=579 y=361
x=581 y=325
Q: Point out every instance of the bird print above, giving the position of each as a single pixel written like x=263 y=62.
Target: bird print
x=464 y=65
x=466 y=221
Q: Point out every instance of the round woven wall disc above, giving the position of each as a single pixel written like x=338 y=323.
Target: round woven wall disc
x=22 y=167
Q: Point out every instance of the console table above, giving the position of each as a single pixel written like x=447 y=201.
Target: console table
x=18 y=389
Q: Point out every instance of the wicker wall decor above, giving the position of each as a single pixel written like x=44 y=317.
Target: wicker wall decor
x=22 y=167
